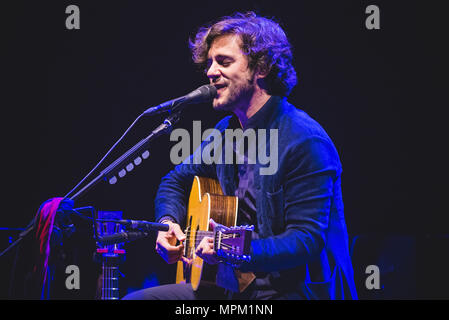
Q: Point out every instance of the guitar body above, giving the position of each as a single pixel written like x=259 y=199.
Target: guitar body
x=206 y=202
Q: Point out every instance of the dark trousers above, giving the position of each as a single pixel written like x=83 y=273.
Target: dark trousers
x=178 y=292
x=185 y=292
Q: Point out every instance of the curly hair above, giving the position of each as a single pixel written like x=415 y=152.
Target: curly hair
x=263 y=41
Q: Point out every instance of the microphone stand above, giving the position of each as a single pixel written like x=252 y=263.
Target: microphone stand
x=22 y=235
x=119 y=166
x=124 y=163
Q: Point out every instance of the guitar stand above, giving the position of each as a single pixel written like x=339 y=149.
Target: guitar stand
x=109 y=255
x=110 y=236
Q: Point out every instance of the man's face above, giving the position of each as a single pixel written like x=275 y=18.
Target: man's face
x=227 y=69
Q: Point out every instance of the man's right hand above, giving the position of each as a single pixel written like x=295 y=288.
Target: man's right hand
x=166 y=243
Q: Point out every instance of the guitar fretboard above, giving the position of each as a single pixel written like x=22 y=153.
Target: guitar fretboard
x=110 y=283
x=193 y=239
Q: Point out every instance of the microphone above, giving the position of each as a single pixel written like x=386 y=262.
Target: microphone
x=122 y=237
x=142 y=224
x=202 y=94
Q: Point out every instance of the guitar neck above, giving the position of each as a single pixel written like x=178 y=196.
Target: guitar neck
x=194 y=239
x=108 y=223
x=110 y=285
x=199 y=235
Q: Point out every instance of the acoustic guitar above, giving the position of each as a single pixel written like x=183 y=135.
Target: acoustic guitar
x=231 y=244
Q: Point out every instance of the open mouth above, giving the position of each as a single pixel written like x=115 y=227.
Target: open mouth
x=220 y=88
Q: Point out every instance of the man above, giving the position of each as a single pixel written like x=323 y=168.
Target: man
x=299 y=248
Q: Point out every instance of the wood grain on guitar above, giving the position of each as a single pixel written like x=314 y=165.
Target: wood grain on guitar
x=232 y=244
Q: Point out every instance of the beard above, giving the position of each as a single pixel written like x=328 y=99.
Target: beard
x=234 y=96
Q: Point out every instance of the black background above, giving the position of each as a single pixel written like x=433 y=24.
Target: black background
x=69 y=94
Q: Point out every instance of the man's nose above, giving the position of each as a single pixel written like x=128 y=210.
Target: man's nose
x=213 y=73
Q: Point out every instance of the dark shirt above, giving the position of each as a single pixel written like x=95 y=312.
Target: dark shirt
x=246 y=193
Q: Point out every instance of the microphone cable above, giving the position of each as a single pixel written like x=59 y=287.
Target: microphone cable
x=105 y=156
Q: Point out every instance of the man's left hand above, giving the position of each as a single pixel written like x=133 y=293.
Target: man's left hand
x=205 y=249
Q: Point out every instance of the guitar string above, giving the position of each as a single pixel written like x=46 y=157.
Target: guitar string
x=224 y=245
x=208 y=232
x=191 y=237
x=103 y=283
x=108 y=279
x=211 y=233
x=197 y=241
x=223 y=236
x=205 y=232
x=105 y=291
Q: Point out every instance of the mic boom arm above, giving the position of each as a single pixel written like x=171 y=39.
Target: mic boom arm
x=133 y=156
x=138 y=152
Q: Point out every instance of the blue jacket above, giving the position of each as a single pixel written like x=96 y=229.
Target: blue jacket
x=303 y=240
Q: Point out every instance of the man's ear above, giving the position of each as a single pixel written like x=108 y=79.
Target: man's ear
x=260 y=76
x=262 y=72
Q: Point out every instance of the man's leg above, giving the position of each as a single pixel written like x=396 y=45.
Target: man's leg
x=165 y=292
x=176 y=292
